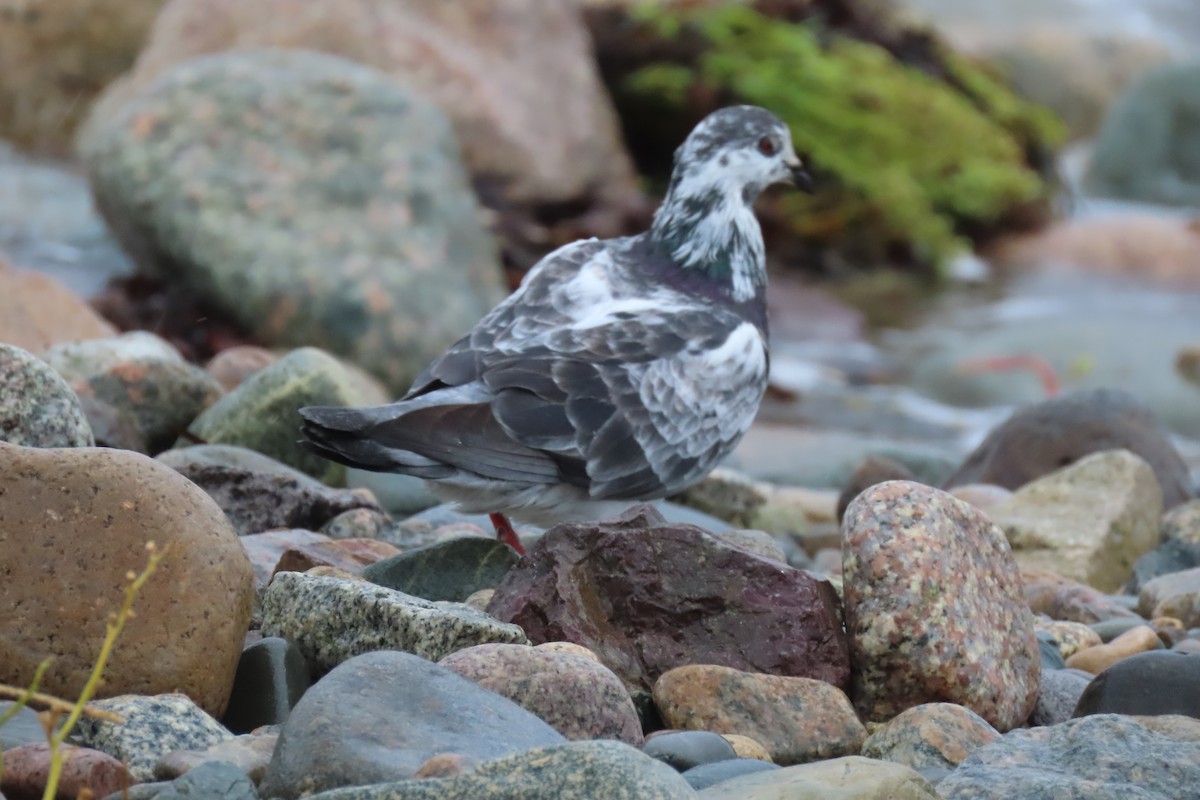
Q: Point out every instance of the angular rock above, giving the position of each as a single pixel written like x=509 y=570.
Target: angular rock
x=37 y=311
x=78 y=520
x=1096 y=659
x=930 y=735
x=378 y=717
x=153 y=726
x=576 y=695
x=262 y=413
x=37 y=407
x=349 y=555
x=1089 y=522
x=250 y=753
x=848 y=778
x=647 y=597
x=365 y=237
x=935 y=608
x=1176 y=595
x=1102 y=757
x=707 y=775
x=682 y=750
x=27 y=768
x=139 y=380
x=1058 y=695
x=331 y=620
x=1063 y=599
x=795 y=719
x=1145 y=684
x=451 y=570
x=271 y=677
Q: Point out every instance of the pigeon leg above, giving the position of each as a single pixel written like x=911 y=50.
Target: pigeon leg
x=505 y=532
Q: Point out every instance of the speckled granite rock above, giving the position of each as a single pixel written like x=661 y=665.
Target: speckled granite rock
x=647 y=597
x=271 y=677
x=452 y=570
x=1096 y=659
x=1089 y=522
x=78 y=520
x=1182 y=523
x=27 y=768
x=930 y=735
x=796 y=719
x=138 y=380
x=846 y=778
x=1176 y=595
x=365 y=237
x=378 y=717
x=1104 y=757
x=1146 y=683
x=935 y=608
x=153 y=726
x=1039 y=439
x=1071 y=637
x=1061 y=598
x=1058 y=694
x=579 y=697
x=331 y=620
x=37 y=407
x=257 y=492
x=261 y=414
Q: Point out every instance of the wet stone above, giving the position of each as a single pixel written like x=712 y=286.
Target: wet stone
x=682 y=750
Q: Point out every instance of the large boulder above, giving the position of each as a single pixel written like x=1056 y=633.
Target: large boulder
x=318 y=203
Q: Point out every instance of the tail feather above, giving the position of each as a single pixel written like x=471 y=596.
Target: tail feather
x=343 y=435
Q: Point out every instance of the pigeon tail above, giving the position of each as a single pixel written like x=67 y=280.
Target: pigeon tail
x=344 y=435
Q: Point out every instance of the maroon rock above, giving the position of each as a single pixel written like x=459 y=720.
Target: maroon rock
x=26 y=769
x=647 y=597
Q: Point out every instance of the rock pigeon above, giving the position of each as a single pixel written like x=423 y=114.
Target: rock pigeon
x=621 y=370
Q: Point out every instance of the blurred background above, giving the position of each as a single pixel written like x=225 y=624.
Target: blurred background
x=1007 y=205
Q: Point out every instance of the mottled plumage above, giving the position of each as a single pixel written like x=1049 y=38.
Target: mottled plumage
x=621 y=370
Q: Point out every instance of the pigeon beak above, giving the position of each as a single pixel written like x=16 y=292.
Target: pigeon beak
x=800 y=178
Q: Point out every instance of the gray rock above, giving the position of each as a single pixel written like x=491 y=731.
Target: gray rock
x=271 y=678
x=37 y=407
x=452 y=570
x=1058 y=694
x=572 y=771
x=1173 y=555
x=257 y=492
x=378 y=717
x=1152 y=684
x=1182 y=523
x=707 y=775
x=153 y=726
x=365 y=240
x=849 y=777
x=331 y=620
x=358 y=523
x=1103 y=757
x=1176 y=595
x=22 y=728
x=217 y=780
x=682 y=750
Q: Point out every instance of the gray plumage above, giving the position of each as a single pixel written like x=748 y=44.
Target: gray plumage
x=621 y=370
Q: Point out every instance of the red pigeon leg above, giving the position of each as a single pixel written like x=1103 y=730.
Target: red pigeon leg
x=505 y=532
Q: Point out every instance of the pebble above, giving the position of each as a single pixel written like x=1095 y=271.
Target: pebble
x=1176 y=595
x=78 y=520
x=331 y=620
x=1052 y=657
x=1110 y=629
x=272 y=676
x=746 y=747
x=357 y=523
x=27 y=769
x=935 y=608
x=233 y=365
x=577 y=695
x=1058 y=695
x=1173 y=555
x=707 y=775
x=983 y=496
x=250 y=753
x=153 y=726
x=266 y=548
x=1101 y=757
x=1182 y=523
x=1088 y=522
x=451 y=570
x=682 y=750
x=349 y=555
x=846 y=778
x=1146 y=683
x=795 y=719
x=1096 y=659
x=930 y=735
x=1066 y=600
x=37 y=407
x=21 y=728
x=218 y=780
x=1070 y=636
x=37 y=311
x=378 y=717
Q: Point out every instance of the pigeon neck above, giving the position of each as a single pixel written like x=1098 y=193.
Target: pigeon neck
x=710 y=228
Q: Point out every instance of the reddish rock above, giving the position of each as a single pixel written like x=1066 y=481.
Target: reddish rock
x=233 y=365
x=348 y=554
x=647 y=597
x=1061 y=598
x=935 y=608
x=26 y=769
x=930 y=735
x=265 y=550
x=37 y=311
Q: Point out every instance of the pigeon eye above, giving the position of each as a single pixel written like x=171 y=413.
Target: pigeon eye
x=766 y=146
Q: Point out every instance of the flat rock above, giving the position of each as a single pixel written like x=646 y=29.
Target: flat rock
x=331 y=620
x=378 y=717
x=1089 y=522
x=37 y=407
x=935 y=608
x=373 y=248
x=647 y=597
x=37 y=311
x=576 y=695
x=152 y=727
x=930 y=735
x=1175 y=595
x=846 y=778
x=707 y=775
x=262 y=414
x=451 y=570
x=795 y=719
x=27 y=768
x=1102 y=757
x=1146 y=684
x=78 y=519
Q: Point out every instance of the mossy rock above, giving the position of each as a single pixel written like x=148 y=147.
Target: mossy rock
x=913 y=162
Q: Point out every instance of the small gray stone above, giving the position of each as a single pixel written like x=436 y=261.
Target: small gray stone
x=22 y=728
x=1058 y=694
x=37 y=407
x=1172 y=555
x=845 y=778
x=153 y=726
x=706 y=775
x=331 y=620
x=682 y=750
x=271 y=677
x=217 y=780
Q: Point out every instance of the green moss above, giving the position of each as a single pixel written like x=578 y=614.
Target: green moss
x=910 y=160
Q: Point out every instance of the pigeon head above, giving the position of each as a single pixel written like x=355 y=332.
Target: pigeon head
x=706 y=222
